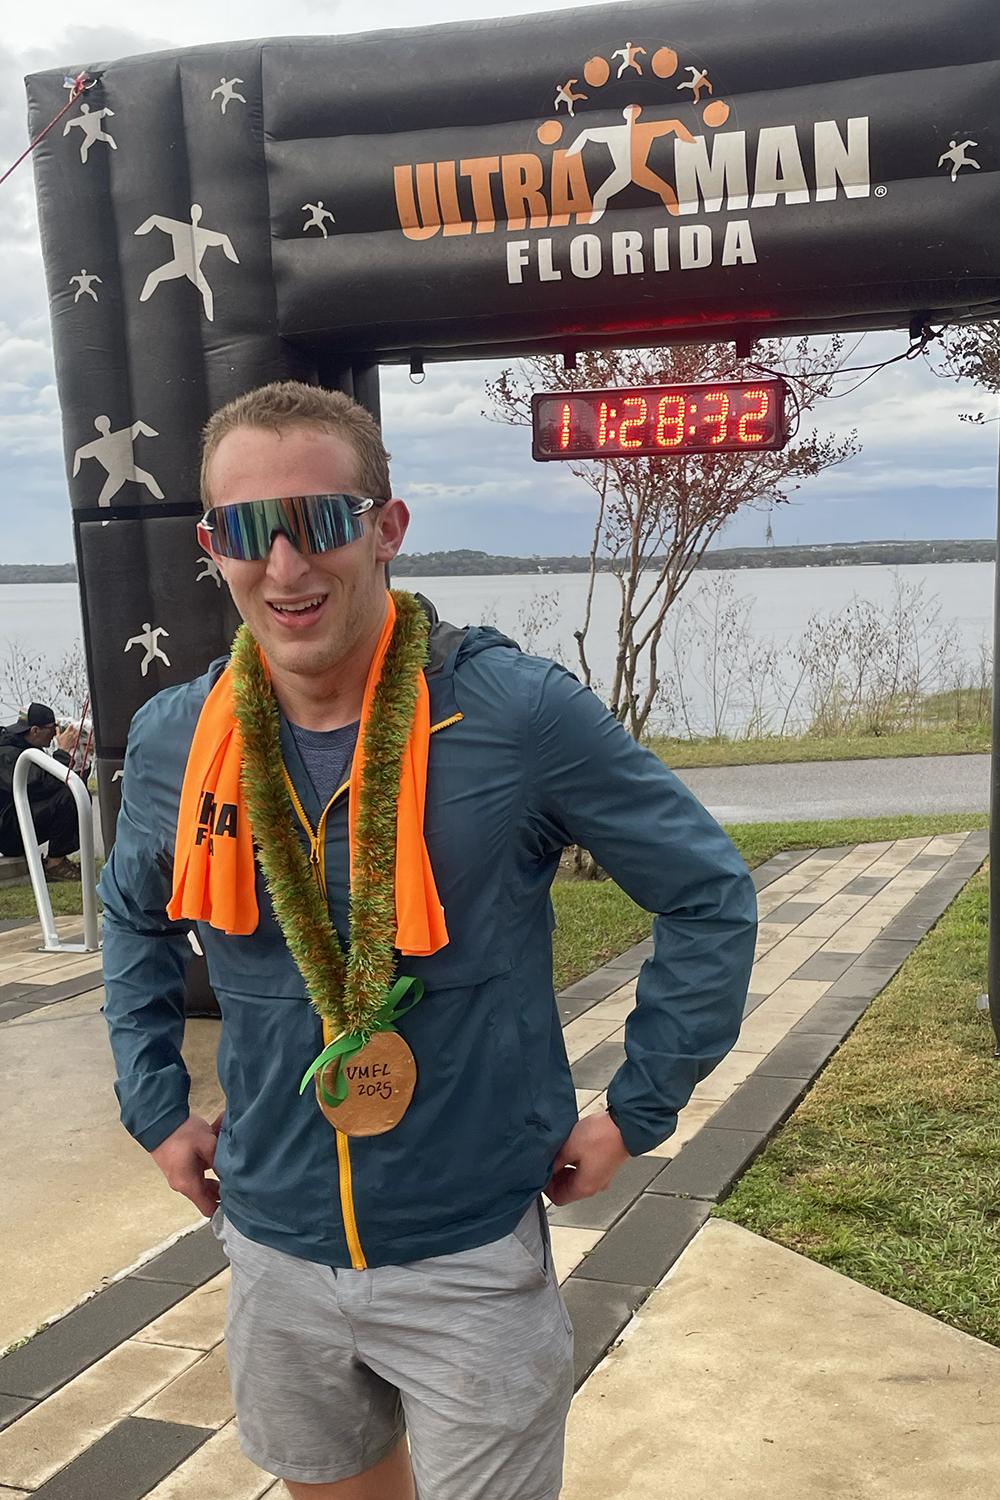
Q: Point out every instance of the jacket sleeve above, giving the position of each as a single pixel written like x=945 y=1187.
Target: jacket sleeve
x=595 y=786
x=145 y=956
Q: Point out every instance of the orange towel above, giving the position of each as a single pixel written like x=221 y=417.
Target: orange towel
x=213 y=853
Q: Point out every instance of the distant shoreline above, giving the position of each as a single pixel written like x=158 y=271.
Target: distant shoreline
x=465 y=562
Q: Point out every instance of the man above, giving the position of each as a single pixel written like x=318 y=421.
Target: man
x=391 y=1272
x=53 y=810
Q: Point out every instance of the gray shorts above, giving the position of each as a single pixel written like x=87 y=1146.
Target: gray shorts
x=470 y=1355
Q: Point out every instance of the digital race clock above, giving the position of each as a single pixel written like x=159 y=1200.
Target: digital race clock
x=658 y=420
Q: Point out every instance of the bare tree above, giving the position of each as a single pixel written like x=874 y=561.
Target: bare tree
x=973 y=354
x=27 y=675
x=656 y=516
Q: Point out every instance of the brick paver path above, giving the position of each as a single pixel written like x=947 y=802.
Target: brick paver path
x=153 y=1415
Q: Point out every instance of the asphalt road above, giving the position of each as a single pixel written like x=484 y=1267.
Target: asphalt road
x=829 y=789
x=843 y=789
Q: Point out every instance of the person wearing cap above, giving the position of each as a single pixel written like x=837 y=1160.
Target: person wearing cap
x=53 y=810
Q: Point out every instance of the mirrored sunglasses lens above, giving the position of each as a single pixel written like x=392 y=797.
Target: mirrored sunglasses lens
x=313 y=523
x=329 y=521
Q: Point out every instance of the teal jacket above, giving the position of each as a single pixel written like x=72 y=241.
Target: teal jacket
x=523 y=761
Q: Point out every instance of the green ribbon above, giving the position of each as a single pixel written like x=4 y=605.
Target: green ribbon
x=352 y=1042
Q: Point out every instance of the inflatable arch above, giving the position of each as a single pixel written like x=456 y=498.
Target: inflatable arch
x=219 y=217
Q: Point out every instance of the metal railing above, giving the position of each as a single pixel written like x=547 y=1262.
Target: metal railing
x=51 y=940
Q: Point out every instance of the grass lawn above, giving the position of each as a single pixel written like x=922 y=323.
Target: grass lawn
x=17 y=901
x=775 y=749
x=889 y=1171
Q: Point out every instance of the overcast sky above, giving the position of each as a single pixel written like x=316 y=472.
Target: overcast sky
x=922 y=472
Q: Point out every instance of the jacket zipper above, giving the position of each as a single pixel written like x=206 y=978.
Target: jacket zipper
x=317 y=859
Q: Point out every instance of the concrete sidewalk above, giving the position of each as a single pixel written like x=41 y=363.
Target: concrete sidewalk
x=753 y=1372
x=127 y=1395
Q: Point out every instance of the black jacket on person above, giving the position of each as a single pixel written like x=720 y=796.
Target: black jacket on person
x=42 y=788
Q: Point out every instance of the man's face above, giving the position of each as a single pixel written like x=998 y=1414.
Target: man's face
x=40 y=735
x=345 y=588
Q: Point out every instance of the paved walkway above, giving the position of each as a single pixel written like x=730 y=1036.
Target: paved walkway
x=843 y=788
x=127 y=1395
x=752 y=1372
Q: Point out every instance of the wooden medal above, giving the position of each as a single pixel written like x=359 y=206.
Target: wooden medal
x=380 y=1083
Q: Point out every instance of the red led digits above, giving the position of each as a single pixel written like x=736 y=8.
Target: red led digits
x=762 y=396
x=720 y=418
x=665 y=418
x=627 y=423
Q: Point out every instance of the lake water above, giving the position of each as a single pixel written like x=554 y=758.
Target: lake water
x=542 y=611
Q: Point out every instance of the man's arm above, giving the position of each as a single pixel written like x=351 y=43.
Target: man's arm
x=145 y=956
x=595 y=786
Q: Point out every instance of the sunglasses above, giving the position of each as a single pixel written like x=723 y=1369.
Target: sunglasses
x=312 y=523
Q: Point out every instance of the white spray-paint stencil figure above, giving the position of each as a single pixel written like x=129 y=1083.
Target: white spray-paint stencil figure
x=699 y=80
x=86 y=283
x=226 y=89
x=317 y=213
x=190 y=243
x=89 y=121
x=958 y=157
x=113 y=451
x=210 y=569
x=149 y=641
x=565 y=95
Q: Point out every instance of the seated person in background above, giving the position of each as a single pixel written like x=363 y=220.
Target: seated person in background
x=53 y=810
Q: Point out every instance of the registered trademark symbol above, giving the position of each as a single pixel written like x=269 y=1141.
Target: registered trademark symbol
x=880 y=192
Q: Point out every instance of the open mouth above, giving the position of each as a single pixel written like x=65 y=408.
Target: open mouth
x=296 y=614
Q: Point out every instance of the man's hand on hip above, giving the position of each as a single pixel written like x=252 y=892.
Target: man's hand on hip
x=591 y=1155
x=185 y=1157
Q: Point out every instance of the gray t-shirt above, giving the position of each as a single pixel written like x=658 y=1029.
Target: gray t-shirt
x=327 y=755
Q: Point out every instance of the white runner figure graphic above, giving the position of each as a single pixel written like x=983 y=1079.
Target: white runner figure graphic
x=958 y=158
x=629 y=145
x=227 y=90
x=87 y=282
x=699 y=80
x=629 y=56
x=190 y=244
x=317 y=213
x=565 y=95
x=149 y=641
x=113 y=451
x=89 y=121
x=210 y=569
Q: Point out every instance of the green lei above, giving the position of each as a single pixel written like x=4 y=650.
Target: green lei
x=350 y=994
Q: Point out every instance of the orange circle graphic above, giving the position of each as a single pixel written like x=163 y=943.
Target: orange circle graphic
x=716 y=113
x=664 y=62
x=549 y=132
x=596 y=71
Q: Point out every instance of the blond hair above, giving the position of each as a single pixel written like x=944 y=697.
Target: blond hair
x=291 y=403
